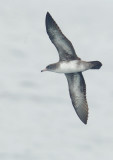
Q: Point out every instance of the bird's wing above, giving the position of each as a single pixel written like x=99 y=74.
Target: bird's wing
x=77 y=90
x=63 y=45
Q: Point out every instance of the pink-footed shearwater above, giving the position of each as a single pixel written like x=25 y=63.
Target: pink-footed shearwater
x=72 y=66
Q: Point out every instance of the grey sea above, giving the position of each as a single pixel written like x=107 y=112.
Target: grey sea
x=37 y=120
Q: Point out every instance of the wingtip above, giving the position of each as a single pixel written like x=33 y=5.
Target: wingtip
x=49 y=21
x=84 y=120
x=83 y=117
x=48 y=15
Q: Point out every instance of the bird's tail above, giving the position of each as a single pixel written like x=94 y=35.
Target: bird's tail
x=95 y=64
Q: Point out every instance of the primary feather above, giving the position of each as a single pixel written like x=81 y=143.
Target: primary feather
x=63 y=45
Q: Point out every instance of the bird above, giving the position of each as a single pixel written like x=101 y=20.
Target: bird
x=70 y=65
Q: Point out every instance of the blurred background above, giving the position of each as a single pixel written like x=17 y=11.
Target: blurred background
x=37 y=120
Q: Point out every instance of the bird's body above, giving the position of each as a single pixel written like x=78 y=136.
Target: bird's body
x=72 y=66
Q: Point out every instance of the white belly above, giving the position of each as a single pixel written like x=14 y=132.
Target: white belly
x=73 y=66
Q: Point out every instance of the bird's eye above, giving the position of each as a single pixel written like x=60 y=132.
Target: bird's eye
x=48 y=67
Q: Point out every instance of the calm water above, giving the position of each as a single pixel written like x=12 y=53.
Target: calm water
x=37 y=120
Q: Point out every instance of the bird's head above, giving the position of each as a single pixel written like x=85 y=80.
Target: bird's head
x=50 y=67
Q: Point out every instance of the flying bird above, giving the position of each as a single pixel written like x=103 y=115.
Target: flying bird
x=72 y=66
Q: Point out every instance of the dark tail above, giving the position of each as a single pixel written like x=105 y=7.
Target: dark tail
x=95 y=65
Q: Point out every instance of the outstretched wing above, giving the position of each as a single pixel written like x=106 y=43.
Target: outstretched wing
x=63 y=45
x=77 y=90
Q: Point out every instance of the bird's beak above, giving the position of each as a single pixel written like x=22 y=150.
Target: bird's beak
x=44 y=70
